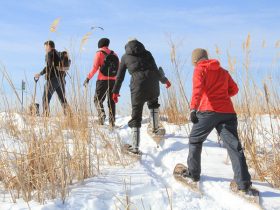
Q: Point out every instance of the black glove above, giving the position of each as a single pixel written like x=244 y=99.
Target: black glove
x=86 y=82
x=193 y=116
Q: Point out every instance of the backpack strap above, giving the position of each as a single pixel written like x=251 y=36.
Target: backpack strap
x=111 y=53
x=103 y=52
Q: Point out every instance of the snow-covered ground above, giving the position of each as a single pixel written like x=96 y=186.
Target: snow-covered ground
x=149 y=184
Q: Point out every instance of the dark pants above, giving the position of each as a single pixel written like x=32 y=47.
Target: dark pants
x=103 y=89
x=226 y=125
x=54 y=85
x=137 y=110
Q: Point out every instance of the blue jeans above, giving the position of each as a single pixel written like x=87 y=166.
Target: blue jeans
x=226 y=125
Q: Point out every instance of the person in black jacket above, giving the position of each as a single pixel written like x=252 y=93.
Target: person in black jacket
x=55 y=79
x=144 y=86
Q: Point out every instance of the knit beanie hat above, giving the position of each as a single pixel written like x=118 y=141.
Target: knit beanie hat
x=198 y=55
x=104 y=42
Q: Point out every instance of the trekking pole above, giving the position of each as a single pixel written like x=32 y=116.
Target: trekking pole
x=89 y=133
x=35 y=107
x=35 y=89
x=86 y=98
x=22 y=89
x=68 y=75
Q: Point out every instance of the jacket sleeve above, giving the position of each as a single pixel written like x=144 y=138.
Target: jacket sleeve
x=197 y=89
x=159 y=71
x=232 y=87
x=162 y=78
x=120 y=76
x=43 y=71
x=49 y=61
x=96 y=65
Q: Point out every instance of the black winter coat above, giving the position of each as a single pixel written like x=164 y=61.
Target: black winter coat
x=144 y=82
x=52 y=65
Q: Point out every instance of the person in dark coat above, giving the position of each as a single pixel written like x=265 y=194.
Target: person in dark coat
x=211 y=107
x=55 y=79
x=144 y=86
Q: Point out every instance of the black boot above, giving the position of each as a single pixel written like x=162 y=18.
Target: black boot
x=101 y=119
x=154 y=115
x=135 y=141
x=187 y=174
x=248 y=190
x=112 y=121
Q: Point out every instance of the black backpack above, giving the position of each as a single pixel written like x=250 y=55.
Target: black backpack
x=111 y=64
x=65 y=61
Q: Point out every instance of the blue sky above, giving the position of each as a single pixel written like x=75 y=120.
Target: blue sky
x=25 y=27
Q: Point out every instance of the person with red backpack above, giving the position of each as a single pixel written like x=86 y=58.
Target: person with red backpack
x=211 y=107
x=106 y=62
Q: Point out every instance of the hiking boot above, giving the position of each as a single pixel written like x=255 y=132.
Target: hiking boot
x=112 y=124
x=67 y=110
x=159 y=132
x=135 y=138
x=155 y=129
x=247 y=191
x=250 y=192
x=154 y=116
x=135 y=151
x=184 y=172
x=128 y=149
x=101 y=120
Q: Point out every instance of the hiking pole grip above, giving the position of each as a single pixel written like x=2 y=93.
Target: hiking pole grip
x=36 y=79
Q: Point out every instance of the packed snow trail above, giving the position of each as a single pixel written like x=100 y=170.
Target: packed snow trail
x=149 y=183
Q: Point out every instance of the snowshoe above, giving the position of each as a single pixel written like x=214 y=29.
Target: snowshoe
x=250 y=194
x=128 y=149
x=182 y=175
x=157 y=135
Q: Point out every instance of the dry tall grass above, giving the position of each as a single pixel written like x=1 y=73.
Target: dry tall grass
x=258 y=107
x=175 y=101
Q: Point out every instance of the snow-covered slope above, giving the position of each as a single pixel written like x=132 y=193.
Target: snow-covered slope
x=149 y=184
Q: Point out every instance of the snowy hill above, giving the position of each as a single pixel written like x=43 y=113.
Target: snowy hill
x=149 y=184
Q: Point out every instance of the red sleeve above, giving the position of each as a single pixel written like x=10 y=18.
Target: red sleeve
x=96 y=65
x=232 y=87
x=198 y=86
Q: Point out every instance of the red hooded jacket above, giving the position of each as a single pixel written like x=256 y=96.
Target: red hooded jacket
x=212 y=88
x=98 y=62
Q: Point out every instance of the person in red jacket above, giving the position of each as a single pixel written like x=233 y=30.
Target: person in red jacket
x=104 y=84
x=211 y=107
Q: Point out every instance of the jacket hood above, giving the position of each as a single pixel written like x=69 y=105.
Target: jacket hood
x=211 y=64
x=134 y=48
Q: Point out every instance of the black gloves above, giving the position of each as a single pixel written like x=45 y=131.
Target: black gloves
x=193 y=116
x=86 y=82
